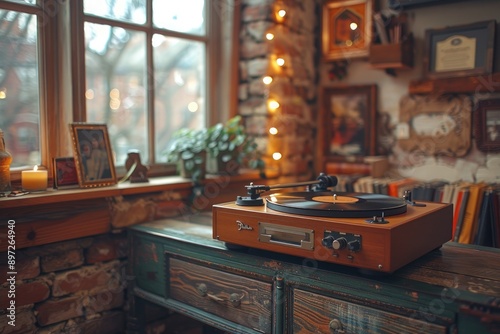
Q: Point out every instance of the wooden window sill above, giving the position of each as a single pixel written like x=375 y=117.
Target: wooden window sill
x=157 y=184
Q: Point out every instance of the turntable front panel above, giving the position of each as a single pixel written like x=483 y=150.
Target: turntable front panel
x=347 y=241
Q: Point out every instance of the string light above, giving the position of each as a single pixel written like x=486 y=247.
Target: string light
x=282 y=13
x=267 y=79
x=277 y=155
x=280 y=61
x=273 y=131
x=273 y=105
x=269 y=36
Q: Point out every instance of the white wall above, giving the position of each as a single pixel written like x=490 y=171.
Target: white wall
x=472 y=167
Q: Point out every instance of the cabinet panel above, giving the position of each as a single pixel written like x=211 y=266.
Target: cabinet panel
x=313 y=313
x=245 y=301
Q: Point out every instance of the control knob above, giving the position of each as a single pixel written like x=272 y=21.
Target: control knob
x=327 y=241
x=354 y=245
x=339 y=243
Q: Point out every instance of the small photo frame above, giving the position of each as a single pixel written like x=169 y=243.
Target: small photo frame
x=347 y=29
x=348 y=122
x=93 y=155
x=65 y=174
x=463 y=50
x=487 y=125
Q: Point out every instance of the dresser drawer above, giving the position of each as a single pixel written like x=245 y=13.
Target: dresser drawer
x=242 y=300
x=314 y=313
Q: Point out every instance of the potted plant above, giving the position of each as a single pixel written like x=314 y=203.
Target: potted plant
x=188 y=150
x=229 y=147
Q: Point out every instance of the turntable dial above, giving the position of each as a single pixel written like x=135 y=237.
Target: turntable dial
x=339 y=243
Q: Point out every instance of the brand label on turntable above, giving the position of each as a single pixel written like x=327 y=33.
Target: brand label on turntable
x=242 y=226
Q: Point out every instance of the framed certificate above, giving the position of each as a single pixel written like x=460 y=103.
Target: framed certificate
x=460 y=50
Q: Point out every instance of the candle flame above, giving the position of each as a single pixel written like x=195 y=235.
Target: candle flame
x=35 y=168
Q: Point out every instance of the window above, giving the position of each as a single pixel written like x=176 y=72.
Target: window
x=139 y=53
x=143 y=67
x=20 y=36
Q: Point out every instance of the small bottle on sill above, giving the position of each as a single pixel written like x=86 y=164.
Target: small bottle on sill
x=5 y=161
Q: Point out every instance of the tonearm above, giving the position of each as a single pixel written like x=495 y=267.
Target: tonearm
x=322 y=183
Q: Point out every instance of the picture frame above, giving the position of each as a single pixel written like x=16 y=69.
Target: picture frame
x=348 y=122
x=435 y=125
x=487 y=125
x=93 y=155
x=346 y=29
x=463 y=50
x=64 y=173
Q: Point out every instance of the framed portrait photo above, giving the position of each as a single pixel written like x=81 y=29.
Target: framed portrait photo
x=346 y=29
x=65 y=174
x=460 y=50
x=487 y=125
x=348 y=122
x=93 y=155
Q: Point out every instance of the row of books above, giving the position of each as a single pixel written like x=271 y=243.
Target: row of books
x=476 y=206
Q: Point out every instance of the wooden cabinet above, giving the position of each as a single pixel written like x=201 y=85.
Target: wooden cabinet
x=177 y=265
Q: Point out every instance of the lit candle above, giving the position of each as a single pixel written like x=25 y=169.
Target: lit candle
x=34 y=180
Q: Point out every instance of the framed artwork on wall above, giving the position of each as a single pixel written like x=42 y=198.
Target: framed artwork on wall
x=346 y=29
x=93 y=155
x=460 y=50
x=348 y=122
x=435 y=125
x=487 y=125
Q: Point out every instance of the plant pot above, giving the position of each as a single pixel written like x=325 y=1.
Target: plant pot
x=223 y=164
x=194 y=168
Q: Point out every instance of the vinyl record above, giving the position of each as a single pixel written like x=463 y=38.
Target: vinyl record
x=340 y=205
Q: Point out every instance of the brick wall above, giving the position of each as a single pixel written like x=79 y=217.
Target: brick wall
x=293 y=85
x=75 y=286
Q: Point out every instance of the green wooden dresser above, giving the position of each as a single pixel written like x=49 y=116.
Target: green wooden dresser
x=176 y=264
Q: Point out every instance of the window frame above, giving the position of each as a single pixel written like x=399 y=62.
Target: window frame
x=62 y=77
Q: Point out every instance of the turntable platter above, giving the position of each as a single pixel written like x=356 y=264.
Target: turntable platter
x=340 y=205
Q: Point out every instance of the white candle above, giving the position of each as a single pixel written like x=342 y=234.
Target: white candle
x=34 y=180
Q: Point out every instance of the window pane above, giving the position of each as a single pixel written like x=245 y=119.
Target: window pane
x=133 y=11
x=116 y=86
x=180 y=101
x=19 y=87
x=180 y=15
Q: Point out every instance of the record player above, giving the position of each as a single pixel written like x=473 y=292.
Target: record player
x=363 y=230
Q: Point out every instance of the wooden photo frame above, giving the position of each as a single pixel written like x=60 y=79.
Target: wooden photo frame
x=65 y=174
x=348 y=122
x=435 y=125
x=346 y=29
x=93 y=155
x=460 y=50
x=487 y=125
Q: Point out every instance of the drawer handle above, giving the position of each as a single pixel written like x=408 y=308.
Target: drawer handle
x=234 y=298
x=336 y=326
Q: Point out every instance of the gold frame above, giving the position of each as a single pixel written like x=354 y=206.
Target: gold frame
x=102 y=171
x=64 y=173
x=487 y=125
x=335 y=42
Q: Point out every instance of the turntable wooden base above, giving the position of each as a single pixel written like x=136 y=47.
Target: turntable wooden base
x=381 y=246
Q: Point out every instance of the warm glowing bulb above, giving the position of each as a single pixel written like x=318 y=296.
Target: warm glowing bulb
x=277 y=155
x=267 y=79
x=281 y=13
x=193 y=106
x=353 y=26
x=273 y=131
x=273 y=105
x=269 y=36
x=114 y=93
x=280 y=61
x=3 y=94
x=89 y=94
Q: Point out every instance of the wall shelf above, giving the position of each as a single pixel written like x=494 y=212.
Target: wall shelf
x=489 y=83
